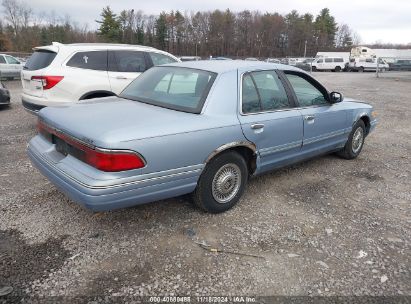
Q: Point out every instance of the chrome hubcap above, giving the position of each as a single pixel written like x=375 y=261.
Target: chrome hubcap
x=226 y=183
x=357 y=140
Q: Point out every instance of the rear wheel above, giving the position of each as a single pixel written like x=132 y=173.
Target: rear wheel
x=222 y=183
x=314 y=69
x=355 y=141
x=361 y=69
x=337 y=69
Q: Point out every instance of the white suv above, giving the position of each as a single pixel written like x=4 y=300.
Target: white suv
x=59 y=73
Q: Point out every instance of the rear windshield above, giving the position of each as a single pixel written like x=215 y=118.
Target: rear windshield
x=39 y=60
x=175 y=88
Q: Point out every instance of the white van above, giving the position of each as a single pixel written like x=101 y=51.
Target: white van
x=335 y=64
x=367 y=64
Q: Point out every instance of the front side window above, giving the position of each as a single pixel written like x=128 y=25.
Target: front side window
x=2 y=60
x=12 y=60
x=159 y=59
x=307 y=93
x=175 y=88
x=320 y=61
x=94 y=60
x=127 y=61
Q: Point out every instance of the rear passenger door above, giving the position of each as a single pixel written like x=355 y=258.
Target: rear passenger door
x=268 y=118
x=124 y=66
x=86 y=74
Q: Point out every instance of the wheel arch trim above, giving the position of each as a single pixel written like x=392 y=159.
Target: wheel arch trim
x=109 y=93
x=234 y=144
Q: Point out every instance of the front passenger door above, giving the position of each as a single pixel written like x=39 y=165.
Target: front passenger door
x=124 y=67
x=325 y=124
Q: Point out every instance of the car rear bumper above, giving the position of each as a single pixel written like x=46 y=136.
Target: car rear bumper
x=33 y=104
x=114 y=194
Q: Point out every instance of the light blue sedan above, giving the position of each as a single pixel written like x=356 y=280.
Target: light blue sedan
x=201 y=127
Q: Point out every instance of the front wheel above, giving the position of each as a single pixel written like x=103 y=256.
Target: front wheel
x=355 y=141
x=222 y=183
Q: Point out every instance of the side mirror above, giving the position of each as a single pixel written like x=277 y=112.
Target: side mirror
x=336 y=97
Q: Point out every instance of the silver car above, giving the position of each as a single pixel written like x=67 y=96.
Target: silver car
x=10 y=67
x=200 y=127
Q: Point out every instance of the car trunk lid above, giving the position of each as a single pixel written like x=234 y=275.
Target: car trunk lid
x=109 y=121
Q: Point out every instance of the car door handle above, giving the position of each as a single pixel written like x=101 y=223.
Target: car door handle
x=121 y=77
x=257 y=126
x=309 y=117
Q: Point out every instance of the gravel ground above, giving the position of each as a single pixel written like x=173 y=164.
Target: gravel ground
x=324 y=227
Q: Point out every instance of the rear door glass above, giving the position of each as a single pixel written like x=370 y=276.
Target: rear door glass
x=127 y=61
x=271 y=91
x=93 y=60
x=39 y=60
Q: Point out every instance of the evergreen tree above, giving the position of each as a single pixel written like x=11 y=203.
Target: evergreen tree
x=161 y=30
x=326 y=28
x=109 y=28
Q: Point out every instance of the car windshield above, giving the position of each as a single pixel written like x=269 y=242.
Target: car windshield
x=176 y=88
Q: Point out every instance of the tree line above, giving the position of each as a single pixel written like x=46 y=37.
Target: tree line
x=203 y=33
x=226 y=33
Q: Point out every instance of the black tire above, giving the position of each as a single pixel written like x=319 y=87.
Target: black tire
x=351 y=150
x=314 y=69
x=203 y=196
x=337 y=69
x=360 y=69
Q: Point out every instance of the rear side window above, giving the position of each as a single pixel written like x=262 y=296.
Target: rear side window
x=328 y=60
x=271 y=91
x=39 y=60
x=250 y=99
x=263 y=91
x=94 y=60
x=127 y=61
x=338 y=60
x=2 y=60
x=159 y=59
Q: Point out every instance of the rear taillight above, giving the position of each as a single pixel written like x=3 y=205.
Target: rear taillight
x=48 y=81
x=102 y=159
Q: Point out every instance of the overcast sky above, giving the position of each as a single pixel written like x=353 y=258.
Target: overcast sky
x=373 y=20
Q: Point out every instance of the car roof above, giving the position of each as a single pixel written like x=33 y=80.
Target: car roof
x=223 y=66
x=55 y=46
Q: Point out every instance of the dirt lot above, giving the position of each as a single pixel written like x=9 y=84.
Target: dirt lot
x=323 y=227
